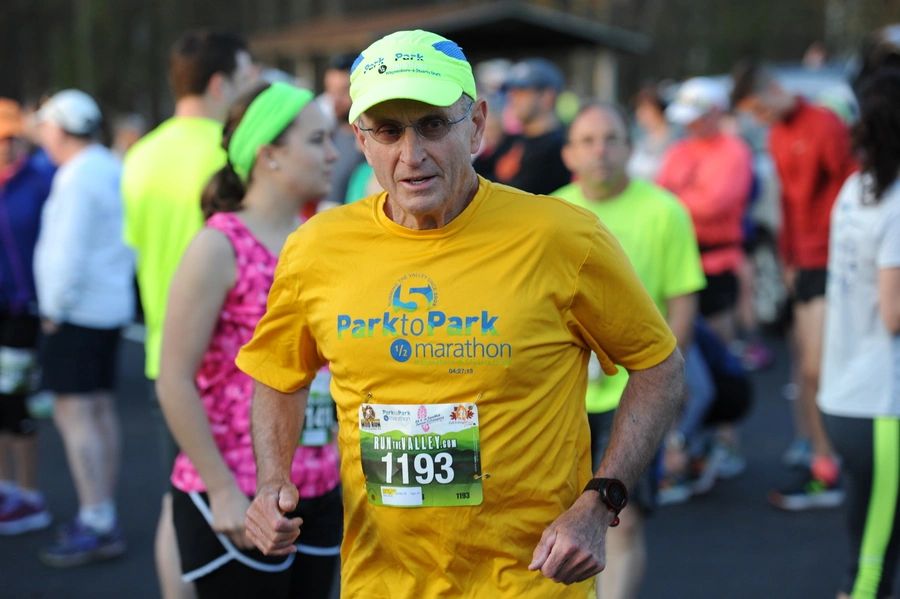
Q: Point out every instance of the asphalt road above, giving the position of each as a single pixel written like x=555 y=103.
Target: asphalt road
x=727 y=544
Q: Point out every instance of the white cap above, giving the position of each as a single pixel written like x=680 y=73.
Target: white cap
x=73 y=110
x=695 y=98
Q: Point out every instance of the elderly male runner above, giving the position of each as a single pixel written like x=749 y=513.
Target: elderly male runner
x=457 y=316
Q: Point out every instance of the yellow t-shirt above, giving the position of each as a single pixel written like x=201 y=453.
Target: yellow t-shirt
x=500 y=308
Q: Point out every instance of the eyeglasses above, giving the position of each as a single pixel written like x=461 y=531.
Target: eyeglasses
x=431 y=128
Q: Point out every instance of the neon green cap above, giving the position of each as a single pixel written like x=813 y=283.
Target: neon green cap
x=411 y=65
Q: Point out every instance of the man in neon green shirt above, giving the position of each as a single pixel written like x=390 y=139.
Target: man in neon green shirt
x=162 y=179
x=165 y=172
x=656 y=233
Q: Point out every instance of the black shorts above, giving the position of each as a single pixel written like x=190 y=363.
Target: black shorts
x=18 y=365
x=810 y=284
x=720 y=294
x=78 y=359
x=202 y=553
x=644 y=492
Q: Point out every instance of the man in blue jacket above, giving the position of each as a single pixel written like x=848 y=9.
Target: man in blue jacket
x=25 y=179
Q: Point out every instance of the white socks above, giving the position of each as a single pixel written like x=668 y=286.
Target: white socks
x=101 y=517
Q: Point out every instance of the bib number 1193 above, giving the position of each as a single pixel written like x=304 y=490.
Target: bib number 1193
x=426 y=469
x=421 y=456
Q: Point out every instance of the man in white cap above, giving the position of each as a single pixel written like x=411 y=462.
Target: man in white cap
x=711 y=173
x=457 y=317
x=83 y=274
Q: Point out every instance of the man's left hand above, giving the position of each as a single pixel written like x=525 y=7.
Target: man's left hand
x=573 y=547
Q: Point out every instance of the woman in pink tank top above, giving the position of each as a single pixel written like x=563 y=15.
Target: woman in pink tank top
x=280 y=157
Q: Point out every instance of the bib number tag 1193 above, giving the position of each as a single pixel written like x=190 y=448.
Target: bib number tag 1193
x=421 y=456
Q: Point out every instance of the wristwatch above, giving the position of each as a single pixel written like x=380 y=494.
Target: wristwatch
x=612 y=493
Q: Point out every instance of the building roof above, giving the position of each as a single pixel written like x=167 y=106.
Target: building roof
x=483 y=30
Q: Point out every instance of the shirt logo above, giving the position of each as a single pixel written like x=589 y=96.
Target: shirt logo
x=424 y=333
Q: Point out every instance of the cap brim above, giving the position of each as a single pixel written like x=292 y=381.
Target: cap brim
x=681 y=114
x=436 y=93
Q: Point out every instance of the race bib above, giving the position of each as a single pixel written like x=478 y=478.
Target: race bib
x=421 y=456
x=18 y=371
x=319 y=422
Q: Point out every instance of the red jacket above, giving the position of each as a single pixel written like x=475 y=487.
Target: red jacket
x=811 y=151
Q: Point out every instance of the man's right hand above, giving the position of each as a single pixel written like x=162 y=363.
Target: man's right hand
x=267 y=526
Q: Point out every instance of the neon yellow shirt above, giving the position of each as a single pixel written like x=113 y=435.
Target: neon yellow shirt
x=162 y=179
x=657 y=235
x=499 y=309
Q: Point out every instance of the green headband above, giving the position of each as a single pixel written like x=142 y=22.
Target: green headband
x=267 y=116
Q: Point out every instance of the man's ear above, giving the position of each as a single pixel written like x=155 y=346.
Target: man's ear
x=215 y=86
x=548 y=99
x=567 y=158
x=362 y=140
x=479 y=118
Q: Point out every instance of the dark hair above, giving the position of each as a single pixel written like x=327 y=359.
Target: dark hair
x=877 y=134
x=342 y=62
x=650 y=94
x=749 y=78
x=225 y=191
x=880 y=49
x=197 y=56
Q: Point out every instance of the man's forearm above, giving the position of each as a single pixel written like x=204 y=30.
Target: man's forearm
x=277 y=419
x=650 y=401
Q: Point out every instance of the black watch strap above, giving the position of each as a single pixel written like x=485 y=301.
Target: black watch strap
x=613 y=494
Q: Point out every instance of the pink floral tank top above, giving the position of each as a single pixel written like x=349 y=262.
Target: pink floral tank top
x=226 y=391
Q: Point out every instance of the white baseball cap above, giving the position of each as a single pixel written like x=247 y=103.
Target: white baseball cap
x=695 y=98
x=73 y=110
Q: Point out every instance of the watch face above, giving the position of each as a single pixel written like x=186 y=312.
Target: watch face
x=616 y=494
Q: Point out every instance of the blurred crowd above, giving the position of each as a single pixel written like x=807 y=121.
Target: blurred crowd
x=722 y=191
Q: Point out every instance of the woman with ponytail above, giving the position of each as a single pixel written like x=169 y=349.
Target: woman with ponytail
x=860 y=389
x=280 y=156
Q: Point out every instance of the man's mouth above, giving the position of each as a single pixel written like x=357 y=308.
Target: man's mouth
x=417 y=180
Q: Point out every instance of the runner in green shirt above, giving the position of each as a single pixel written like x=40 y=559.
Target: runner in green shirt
x=656 y=233
x=162 y=178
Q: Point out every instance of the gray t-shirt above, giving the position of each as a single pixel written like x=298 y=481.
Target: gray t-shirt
x=861 y=359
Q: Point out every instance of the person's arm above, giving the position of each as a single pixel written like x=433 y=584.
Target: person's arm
x=889 y=298
x=573 y=547
x=277 y=419
x=682 y=309
x=200 y=285
x=74 y=214
x=888 y=261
